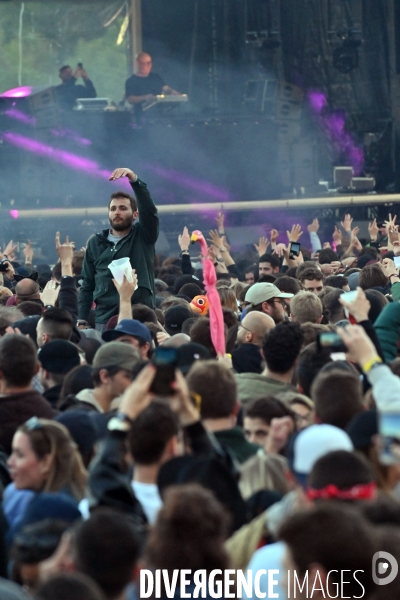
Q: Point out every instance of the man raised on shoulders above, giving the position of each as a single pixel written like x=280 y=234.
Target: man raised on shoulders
x=127 y=237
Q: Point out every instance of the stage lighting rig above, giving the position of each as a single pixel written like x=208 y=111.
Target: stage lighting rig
x=265 y=39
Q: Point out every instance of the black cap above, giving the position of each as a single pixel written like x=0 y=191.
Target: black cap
x=59 y=356
x=175 y=317
x=189 y=354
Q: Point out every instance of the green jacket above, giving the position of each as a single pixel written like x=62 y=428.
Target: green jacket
x=253 y=385
x=139 y=246
x=235 y=440
x=387 y=325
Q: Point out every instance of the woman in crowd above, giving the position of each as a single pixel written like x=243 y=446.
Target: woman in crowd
x=44 y=458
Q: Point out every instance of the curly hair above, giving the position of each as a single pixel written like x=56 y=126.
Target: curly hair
x=282 y=346
x=189 y=532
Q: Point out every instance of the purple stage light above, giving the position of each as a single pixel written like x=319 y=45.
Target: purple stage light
x=14 y=214
x=14 y=113
x=317 y=100
x=71 y=135
x=204 y=187
x=18 y=92
x=68 y=159
x=334 y=125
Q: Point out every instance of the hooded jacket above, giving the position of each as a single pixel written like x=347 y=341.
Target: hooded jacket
x=138 y=246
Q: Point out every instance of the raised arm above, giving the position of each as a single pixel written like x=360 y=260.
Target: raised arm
x=68 y=294
x=88 y=285
x=148 y=214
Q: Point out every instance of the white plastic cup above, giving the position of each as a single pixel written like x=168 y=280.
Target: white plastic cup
x=121 y=267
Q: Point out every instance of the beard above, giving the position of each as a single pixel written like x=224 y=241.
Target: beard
x=121 y=225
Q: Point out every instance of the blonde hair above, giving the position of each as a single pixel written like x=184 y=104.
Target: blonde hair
x=66 y=467
x=228 y=298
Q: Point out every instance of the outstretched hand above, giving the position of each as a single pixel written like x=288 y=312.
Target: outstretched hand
x=122 y=172
x=126 y=289
x=65 y=251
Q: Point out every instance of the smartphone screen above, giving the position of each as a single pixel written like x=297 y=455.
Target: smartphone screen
x=294 y=248
x=329 y=340
x=396 y=260
x=165 y=361
x=389 y=437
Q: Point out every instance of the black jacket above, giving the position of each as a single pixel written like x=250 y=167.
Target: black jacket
x=138 y=245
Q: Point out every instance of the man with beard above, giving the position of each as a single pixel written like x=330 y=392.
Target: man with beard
x=127 y=237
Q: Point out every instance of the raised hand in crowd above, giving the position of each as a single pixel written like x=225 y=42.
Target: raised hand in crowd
x=281 y=250
x=360 y=348
x=295 y=233
x=337 y=236
x=346 y=223
x=28 y=253
x=122 y=172
x=9 y=272
x=273 y=236
x=359 y=307
x=396 y=248
x=392 y=230
x=220 y=222
x=262 y=245
x=215 y=239
x=390 y=270
x=355 y=243
x=50 y=293
x=184 y=240
x=330 y=268
x=126 y=289
x=373 y=230
x=215 y=255
x=326 y=245
x=65 y=254
x=313 y=227
x=9 y=251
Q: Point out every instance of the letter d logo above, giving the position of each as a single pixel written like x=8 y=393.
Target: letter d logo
x=380 y=568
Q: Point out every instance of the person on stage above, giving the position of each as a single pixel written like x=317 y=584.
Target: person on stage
x=144 y=84
x=67 y=92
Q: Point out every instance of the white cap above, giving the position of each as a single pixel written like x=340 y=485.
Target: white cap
x=316 y=441
x=261 y=292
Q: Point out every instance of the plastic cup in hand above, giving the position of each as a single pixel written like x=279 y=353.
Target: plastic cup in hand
x=121 y=267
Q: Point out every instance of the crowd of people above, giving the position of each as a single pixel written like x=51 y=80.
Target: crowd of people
x=268 y=456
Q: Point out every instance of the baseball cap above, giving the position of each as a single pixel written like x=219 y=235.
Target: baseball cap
x=189 y=354
x=81 y=428
x=316 y=441
x=175 y=317
x=116 y=354
x=362 y=428
x=28 y=326
x=128 y=327
x=261 y=292
x=59 y=356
